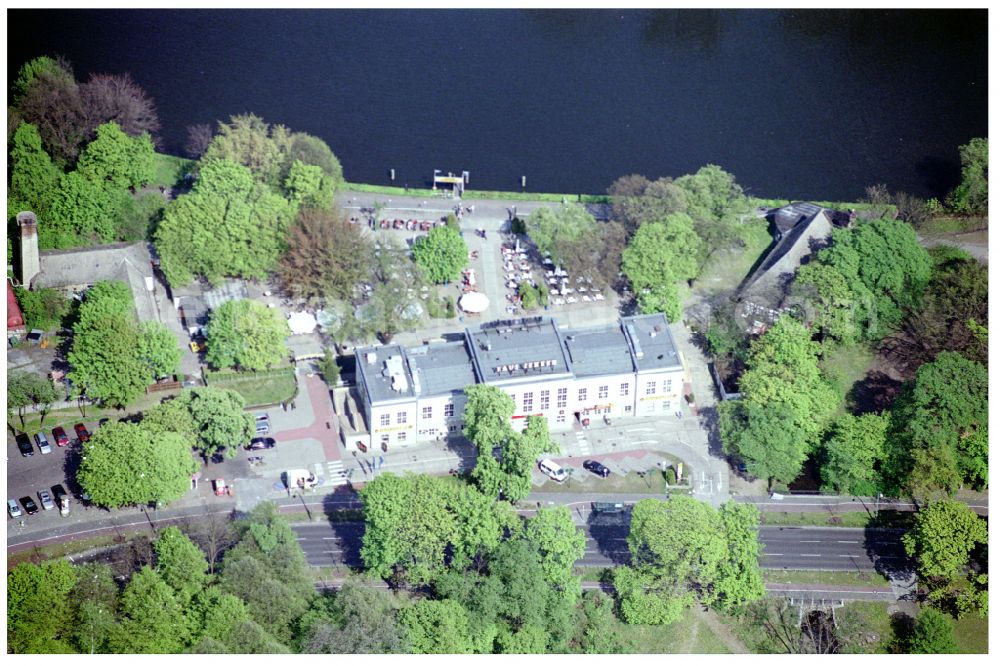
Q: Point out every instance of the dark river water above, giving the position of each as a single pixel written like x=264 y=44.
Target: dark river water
x=797 y=104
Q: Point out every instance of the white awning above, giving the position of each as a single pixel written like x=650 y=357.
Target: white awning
x=301 y=322
x=474 y=301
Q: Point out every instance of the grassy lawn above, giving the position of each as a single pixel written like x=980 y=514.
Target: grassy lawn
x=259 y=390
x=845 y=366
x=58 y=550
x=725 y=270
x=846 y=519
x=689 y=635
x=946 y=224
x=67 y=417
x=168 y=169
x=849 y=578
x=874 y=622
x=972 y=634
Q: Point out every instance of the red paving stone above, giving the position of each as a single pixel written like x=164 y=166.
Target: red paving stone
x=323 y=413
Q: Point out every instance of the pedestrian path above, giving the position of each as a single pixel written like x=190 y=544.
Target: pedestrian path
x=582 y=443
x=332 y=471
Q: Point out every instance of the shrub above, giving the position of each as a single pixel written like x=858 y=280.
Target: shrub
x=671 y=476
x=42 y=308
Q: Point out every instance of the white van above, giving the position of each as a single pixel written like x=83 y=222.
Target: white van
x=553 y=471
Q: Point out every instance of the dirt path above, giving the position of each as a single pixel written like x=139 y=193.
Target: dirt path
x=734 y=644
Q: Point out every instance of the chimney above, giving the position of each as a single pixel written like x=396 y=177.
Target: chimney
x=30 y=266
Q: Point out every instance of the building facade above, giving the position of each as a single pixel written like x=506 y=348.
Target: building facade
x=415 y=395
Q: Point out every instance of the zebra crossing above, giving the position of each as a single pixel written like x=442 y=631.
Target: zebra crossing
x=334 y=472
x=581 y=441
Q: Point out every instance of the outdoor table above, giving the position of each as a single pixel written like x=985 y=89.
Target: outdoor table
x=570 y=299
x=586 y=299
x=599 y=297
x=553 y=292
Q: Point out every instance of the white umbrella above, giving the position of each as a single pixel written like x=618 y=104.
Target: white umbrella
x=474 y=301
x=301 y=322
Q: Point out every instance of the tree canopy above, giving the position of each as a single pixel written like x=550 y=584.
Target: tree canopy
x=38 y=603
x=932 y=633
x=853 y=454
x=972 y=194
x=943 y=536
x=212 y=419
x=553 y=229
x=126 y=464
x=117 y=160
x=227 y=226
x=714 y=201
x=442 y=254
x=247 y=335
x=26 y=389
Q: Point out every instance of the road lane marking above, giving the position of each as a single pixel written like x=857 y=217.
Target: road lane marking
x=848 y=542
x=847 y=556
x=809 y=555
x=811 y=541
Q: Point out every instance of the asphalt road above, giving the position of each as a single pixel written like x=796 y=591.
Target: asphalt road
x=832 y=549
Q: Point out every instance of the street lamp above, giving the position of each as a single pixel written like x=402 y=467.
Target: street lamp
x=877 y=500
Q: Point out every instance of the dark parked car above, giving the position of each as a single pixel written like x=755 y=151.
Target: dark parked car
x=597 y=468
x=59 y=434
x=81 y=432
x=58 y=491
x=29 y=506
x=258 y=443
x=103 y=422
x=24 y=445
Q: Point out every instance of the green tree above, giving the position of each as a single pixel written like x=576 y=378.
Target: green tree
x=249 y=141
x=125 y=464
x=215 y=614
x=943 y=536
x=559 y=543
x=228 y=225
x=442 y=254
x=328 y=367
x=94 y=600
x=765 y=438
x=38 y=605
x=211 y=419
x=313 y=151
x=105 y=362
x=839 y=308
x=659 y=254
x=392 y=306
x=677 y=547
x=247 y=335
x=33 y=177
x=158 y=348
x=972 y=194
x=933 y=633
x=82 y=211
x=33 y=69
x=25 y=389
x=115 y=159
x=739 y=579
x=486 y=419
x=635 y=200
x=529 y=296
x=597 y=626
x=180 y=563
x=436 y=627
x=42 y=308
x=408 y=527
x=946 y=418
x=307 y=185
x=153 y=620
x=853 y=454
x=360 y=620
x=714 y=201
x=553 y=228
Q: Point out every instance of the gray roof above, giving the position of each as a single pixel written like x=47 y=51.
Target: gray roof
x=517 y=349
x=653 y=346
x=385 y=373
x=130 y=263
x=441 y=369
x=788 y=216
x=598 y=351
x=786 y=256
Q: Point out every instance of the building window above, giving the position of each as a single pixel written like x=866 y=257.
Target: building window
x=449 y=410
x=624 y=390
x=452 y=428
x=628 y=408
x=561 y=397
x=650 y=388
x=401 y=437
x=561 y=418
x=581 y=395
x=668 y=385
x=383 y=420
x=385 y=439
x=529 y=401
x=543 y=398
x=602 y=391
x=427 y=411
x=400 y=417
x=666 y=405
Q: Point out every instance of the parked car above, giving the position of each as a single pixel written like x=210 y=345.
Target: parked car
x=258 y=443
x=46 y=500
x=263 y=422
x=607 y=507
x=13 y=509
x=62 y=498
x=553 y=470
x=81 y=432
x=29 y=506
x=59 y=434
x=24 y=446
x=43 y=443
x=597 y=468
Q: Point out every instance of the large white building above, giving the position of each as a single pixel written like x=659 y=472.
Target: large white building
x=409 y=396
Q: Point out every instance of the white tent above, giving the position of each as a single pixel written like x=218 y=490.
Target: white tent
x=474 y=301
x=301 y=322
